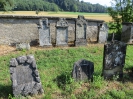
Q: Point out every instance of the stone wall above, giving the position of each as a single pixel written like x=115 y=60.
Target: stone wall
x=18 y=29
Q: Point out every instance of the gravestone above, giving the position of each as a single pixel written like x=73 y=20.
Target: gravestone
x=81 y=28
x=62 y=32
x=22 y=46
x=83 y=70
x=103 y=33
x=114 y=59
x=127 y=32
x=24 y=76
x=44 y=33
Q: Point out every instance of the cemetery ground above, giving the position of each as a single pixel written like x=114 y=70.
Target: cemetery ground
x=55 y=66
x=98 y=16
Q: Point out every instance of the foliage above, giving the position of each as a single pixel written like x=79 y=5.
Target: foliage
x=121 y=11
x=6 y=4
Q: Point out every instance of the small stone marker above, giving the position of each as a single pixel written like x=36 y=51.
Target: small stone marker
x=22 y=46
x=44 y=33
x=81 y=28
x=62 y=32
x=24 y=76
x=114 y=59
x=83 y=70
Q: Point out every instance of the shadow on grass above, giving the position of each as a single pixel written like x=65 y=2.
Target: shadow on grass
x=5 y=91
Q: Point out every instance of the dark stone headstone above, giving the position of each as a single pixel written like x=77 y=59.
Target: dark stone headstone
x=83 y=70
x=103 y=33
x=24 y=76
x=81 y=28
x=114 y=59
x=62 y=32
x=44 y=33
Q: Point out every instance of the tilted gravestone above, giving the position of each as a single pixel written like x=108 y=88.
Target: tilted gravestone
x=81 y=28
x=62 y=32
x=83 y=70
x=103 y=33
x=114 y=59
x=24 y=76
x=44 y=33
x=127 y=32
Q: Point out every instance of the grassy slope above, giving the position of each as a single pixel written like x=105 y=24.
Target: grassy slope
x=55 y=68
x=97 y=16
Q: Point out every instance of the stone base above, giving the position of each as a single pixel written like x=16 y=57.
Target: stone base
x=48 y=45
x=109 y=74
x=62 y=44
x=81 y=42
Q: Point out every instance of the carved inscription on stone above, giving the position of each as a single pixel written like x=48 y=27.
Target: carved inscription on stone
x=81 y=28
x=114 y=58
x=44 y=33
x=62 y=32
x=83 y=70
x=24 y=76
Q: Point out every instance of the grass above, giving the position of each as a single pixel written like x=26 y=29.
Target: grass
x=96 y=16
x=55 y=67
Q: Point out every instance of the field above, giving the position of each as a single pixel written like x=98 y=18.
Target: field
x=97 y=16
x=55 y=67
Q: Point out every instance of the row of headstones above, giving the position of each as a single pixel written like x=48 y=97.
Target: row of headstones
x=25 y=77
x=62 y=32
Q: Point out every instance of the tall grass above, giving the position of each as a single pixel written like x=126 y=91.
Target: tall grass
x=55 y=67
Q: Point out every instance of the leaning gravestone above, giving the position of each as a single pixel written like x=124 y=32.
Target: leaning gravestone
x=81 y=28
x=62 y=32
x=114 y=59
x=83 y=70
x=44 y=33
x=24 y=76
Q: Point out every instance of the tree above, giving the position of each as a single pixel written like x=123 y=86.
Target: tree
x=121 y=11
x=6 y=4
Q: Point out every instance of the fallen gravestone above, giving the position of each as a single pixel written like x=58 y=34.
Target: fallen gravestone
x=24 y=76
x=23 y=46
x=114 y=59
x=83 y=70
x=81 y=28
x=62 y=32
x=44 y=33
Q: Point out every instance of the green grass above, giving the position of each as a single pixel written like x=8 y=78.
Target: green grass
x=55 y=67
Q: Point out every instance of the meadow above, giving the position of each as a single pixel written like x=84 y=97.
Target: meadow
x=96 y=16
x=55 y=66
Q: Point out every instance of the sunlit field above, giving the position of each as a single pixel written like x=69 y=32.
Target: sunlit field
x=96 y=16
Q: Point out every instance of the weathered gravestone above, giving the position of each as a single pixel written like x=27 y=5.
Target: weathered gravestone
x=83 y=70
x=81 y=28
x=114 y=59
x=22 y=46
x=127 y=32
x=103 y=33
x=44 y=33
x=24 y=76
x=62 y=32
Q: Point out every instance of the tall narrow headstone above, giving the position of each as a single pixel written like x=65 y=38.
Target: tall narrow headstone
x=114 y=59
x=62 y=32
x=127 y=32
x=83 y=70
x=24 y=76
x=81 y=28
x=44 y=33
x=103 y=33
